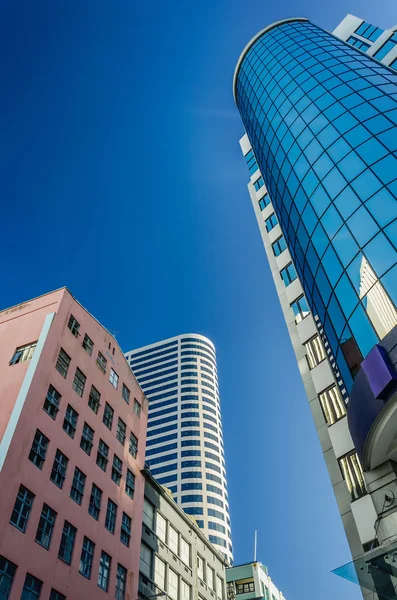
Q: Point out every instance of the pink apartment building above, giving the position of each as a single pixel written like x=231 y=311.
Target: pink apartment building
x=72 y=443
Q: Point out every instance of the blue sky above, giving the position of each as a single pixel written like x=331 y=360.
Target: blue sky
x=122 y=178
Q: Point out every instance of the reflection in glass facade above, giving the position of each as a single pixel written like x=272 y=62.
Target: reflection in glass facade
x=322 y=120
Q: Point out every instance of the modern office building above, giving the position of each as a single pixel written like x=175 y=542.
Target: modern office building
x=177 y=560
x=72 y=442
x=184 y=440
x=251 y=581
x=320 y=116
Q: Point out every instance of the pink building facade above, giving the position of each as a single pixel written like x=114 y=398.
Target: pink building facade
x=72 y=443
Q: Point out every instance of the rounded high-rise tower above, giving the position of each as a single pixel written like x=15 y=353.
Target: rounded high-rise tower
x=184 y=446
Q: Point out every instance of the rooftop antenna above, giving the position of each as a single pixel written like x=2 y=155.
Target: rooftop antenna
x=255 y=543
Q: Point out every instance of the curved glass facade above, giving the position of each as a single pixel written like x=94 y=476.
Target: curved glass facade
x=322 y=121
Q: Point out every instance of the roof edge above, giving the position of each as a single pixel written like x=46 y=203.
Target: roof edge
x=253 y=40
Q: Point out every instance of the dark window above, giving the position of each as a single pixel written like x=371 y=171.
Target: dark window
x=7 y=572
x=86 y=558
x=126 y=393
x=56 y=595
x=117 y=467
x=38 y=451
x=111 y=514
x=78 y=483
x=95 y=502
x=79 y=382
x=74 y=326
x=88 y=344
x=130 y=484
x=133 y=448
x=137 y=408
x=23 y=353
x=59 y=467
x=114 y=378
x=22 y=508
x=125 y=533
x=121 y=431
x=51 y=402
x=101 y=362
x=102 y=456
x=121 y=583
x=104 y=571
x=108 y=416
x=45 y=526
x=63 y=363
x=94 y=399
x=32 y=588
x=67 y=543
x=87 y=439
x=245 y=588
x=70 y=421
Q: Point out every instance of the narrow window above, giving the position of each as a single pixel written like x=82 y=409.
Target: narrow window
x=52 y=401
x=300 y=309
x=78 y=483
x=279 y=246
x=121 y=431
x=288 y=274
x=315 y=352
x=353 y=475
x=130 y=484
x=94 y=399
x=7 y=572
x=86 y=558
x=74 y=326
x=111 y=515
x=32 y=588
x=23 y=353
x=70 y=421
x=108 y=416
x=126 y=393
x=125 y=534
x=59 y=467
x=88 y=344
x=133 y=447
x=101 y=362
x=102 y=457
x=45 y=526
x=121 y=582
x=332 y=404
x=114 y=378
x=95 y=502
x=271 y=222
x=87 y=439
x=148 y=514
x=137 y=408
x=104 y=571
x=79 y=382
x=22 y=508
x=117 y=467
x=67 y=543
x=63 y=363
x=56 y=595
x=38 y=451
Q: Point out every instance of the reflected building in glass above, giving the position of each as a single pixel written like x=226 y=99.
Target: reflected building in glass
x=320 y=114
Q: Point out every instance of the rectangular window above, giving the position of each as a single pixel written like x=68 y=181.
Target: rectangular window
x=51 y=402
x=185 y=552
x=251 y=162
x=288 y=274
x=23 y=353
x=114 y=378
x=108 y=416
x=7 y=572
x=133 y=447
x=300 y=309
x=161 y=527
x=370 y=32
x=148 y=514
x=279 y=246
x=111 y=515
x=259 y=183
x=210 y=578
x=159 y=573
x=137 y=408
x=121 y=582
x=38 y=450
x=126 y=393
x=102 y=457
x=121 y=431
x=88 y=344
x=146 y=561
x=245 y=588
x=79 y=382
x=22 y=508
x=32 y=588
x=200 y=567
x=94 y=399
x=271 y=222
x=86 y=558
x=173 y=539
x=58 y=472
x=332 y=404
x=263 y=202
x=67 y=543
x=130 y=484
x=74 y=326
x=101 y=362
x=125 y=533
x=87 y=439
x=353 y=475
x=70 y=421
x=186 y=591
x=78 y=483
x=387 y=47
x=56 y=595
x=173 y=584
x=104 y=571
x=63 y=363
x=117 y=469
x=219 y=587
x=315 y=352
x=94 y=507
x=45 y=527
x=358 y=43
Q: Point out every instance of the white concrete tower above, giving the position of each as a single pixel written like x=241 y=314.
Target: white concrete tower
x=184 y=441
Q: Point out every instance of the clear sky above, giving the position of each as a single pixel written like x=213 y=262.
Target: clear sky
x=122 y=178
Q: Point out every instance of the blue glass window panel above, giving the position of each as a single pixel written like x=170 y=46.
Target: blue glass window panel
x=383 y=206
x=310 y=219
x=347 y=202
x=386 y=169
x=325 y=101
x=332 y=265
x=293 y=182
x=318 y=124
x=331 y=221
x=334 y=183
x=271 y=222
x=351 y=166
x=380 y=254
x=339 y=150
x=378 y=124
x=320 y=200
x=313 y=151
x=320 y=240
x=384 y=103
x=362 y=331
x=323 y=165
x=357 y=136
x=364 y=111
x=345 y=122
x=328 y=136
x=288 y=274
x=384 y=50
x=323 y=284
x=362 y=226
x=389 y=282
x=345 y=246
x=310 y=183
x=391 y=232
x=302 y=236
x=300 y=200
x=346 y=295
x=371 y=151
x=301 y=167
x=336 y=316
x=366 y=184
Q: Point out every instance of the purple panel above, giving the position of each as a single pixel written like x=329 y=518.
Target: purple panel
x=380 y=373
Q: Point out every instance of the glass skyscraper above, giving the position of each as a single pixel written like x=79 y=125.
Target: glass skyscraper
x=320 y=114
x=184 y=446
